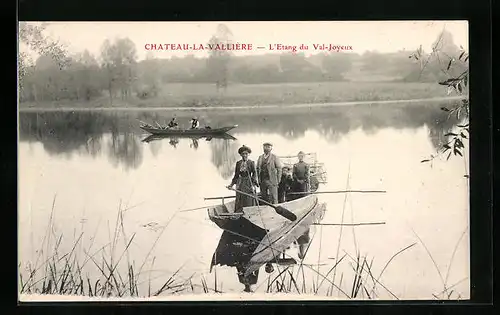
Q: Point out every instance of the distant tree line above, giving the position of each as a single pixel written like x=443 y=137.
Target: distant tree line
x=116 y=72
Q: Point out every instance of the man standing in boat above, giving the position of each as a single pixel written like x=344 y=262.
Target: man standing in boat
x=301 y=176
x=269 y=171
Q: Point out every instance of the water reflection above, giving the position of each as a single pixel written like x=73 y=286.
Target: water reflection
x=65 y=133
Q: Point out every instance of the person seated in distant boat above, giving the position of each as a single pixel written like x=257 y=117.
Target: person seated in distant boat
x=195 y=123
x=173 y=123
x=300 y=176
x=245 y=179
x=285 y=185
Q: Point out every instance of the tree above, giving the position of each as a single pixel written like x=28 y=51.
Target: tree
x=32 y=40
x=453 y=63
x=148 y=73
x=119 y=59
x=218 y=61
x=336 y=64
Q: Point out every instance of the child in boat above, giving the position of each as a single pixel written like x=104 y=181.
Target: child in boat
x=285 y=185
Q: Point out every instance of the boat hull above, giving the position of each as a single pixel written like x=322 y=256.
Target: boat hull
x=279 y=232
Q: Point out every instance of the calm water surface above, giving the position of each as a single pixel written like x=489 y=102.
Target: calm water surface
x=92 y=164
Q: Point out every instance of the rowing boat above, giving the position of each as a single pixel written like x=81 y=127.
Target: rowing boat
x=272 y=232
x=224 y=136
x=181 y=132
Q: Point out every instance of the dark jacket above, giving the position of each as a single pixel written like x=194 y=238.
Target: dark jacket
x=274 y=168
x=252 y=173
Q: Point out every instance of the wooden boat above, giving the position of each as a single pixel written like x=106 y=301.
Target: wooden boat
x=183 y=132
x=224 y=136
x=262 y=224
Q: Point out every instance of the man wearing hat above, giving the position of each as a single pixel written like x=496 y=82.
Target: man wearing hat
x=301 y=176
x=269 y=173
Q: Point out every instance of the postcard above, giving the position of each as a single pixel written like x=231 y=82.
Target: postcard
x=182 y=161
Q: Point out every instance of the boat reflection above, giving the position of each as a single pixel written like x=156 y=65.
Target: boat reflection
x=173 y=141
x=236 y=250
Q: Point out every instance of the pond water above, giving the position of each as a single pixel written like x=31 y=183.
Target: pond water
x=84 y=166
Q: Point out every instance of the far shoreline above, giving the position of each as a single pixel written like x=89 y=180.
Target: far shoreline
x=243 y=108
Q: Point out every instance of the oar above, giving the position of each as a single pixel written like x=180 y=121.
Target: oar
x=223 y=197
x=279 y=209
x=339 y=192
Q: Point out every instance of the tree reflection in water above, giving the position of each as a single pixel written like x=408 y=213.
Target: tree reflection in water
x=224 y=154
x=92 y=133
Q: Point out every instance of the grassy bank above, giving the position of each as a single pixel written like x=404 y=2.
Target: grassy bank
x=205 y=95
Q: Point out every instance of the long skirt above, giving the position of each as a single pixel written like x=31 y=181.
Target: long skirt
x=244 y=184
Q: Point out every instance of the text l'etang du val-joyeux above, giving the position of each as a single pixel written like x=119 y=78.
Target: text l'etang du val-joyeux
x=245 y=47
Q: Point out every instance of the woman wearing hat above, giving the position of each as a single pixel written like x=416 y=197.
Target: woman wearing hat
x=245 y=179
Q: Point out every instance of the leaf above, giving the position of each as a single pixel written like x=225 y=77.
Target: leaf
x=445 y=109
x=423 y=161
x=449 y=64
x=463 y=135
x=446 y=147
x=463 y=126
x=456 y=151
x=451 y=134
x=461 y=55
x=466 y=58
x=448 y=157
x=466 y=79
x=466 y=176
x=459 y=85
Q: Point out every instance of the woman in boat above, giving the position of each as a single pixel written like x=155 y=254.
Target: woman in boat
x=245 y=179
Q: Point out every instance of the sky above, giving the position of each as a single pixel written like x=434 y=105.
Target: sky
x=382 y=36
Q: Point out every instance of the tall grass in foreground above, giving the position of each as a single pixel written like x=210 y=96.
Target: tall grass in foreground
x=108 y=271
x=73 y=271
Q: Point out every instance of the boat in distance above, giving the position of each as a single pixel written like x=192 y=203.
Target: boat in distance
x=181 y=132
x=223 y=136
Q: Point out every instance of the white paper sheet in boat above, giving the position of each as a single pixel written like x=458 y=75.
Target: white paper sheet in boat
x=280 y=231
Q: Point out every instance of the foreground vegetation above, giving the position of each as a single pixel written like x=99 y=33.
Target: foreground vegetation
x=203 y=95
x=109 y=271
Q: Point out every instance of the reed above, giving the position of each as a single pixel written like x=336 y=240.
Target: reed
x=110 y=271
x=73 y=271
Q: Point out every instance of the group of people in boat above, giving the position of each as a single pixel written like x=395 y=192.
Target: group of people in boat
x=195 y=123
x=277 y=183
